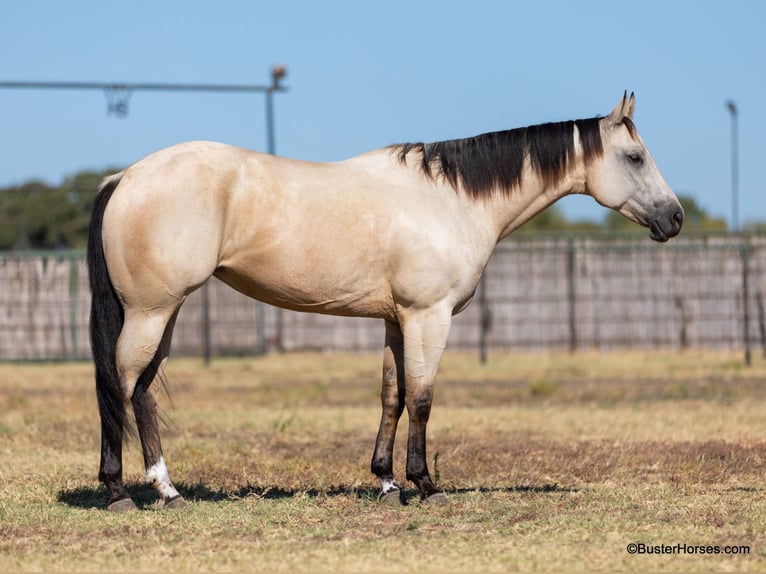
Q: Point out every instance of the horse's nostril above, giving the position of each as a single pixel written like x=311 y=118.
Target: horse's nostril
x=678 y=217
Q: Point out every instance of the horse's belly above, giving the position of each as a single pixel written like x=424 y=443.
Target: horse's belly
x=311 y=294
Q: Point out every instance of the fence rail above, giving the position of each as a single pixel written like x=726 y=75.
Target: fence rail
x=570 y=294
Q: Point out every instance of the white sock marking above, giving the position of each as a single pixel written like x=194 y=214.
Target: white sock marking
x=387 y=485
x=158 y=476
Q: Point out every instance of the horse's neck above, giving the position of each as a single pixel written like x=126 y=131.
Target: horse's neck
x=511 y=210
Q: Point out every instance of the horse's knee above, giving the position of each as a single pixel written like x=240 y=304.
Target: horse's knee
x=419 y=407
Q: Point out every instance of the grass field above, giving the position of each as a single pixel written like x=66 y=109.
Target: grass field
x=551 y=462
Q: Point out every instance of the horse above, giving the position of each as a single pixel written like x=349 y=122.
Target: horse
x=402 y=233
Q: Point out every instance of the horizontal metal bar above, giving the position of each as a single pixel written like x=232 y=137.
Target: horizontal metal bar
x=157 y=87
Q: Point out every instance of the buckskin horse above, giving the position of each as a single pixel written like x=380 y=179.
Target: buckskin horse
x=402 y=233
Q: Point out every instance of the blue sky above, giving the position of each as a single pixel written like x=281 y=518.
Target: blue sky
x=362 y=75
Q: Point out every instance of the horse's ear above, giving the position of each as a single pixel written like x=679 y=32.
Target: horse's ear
x=631 y=106
x=619 y=110
x=622 y=109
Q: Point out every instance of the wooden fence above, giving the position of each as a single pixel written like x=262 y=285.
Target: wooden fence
x=581 y=293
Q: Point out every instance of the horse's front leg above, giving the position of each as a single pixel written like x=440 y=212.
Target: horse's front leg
x=392 y=399
x=425 y=337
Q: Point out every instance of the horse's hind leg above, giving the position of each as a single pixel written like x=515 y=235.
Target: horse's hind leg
x=137 y=347
x=110 y=468
x=392 y=399
x=144 y=402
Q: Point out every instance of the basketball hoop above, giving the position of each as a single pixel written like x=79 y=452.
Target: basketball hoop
x=118 y=100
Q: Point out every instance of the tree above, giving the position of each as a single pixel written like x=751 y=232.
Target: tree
x=35 y=215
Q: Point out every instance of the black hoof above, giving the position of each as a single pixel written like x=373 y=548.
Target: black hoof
x=175 y=502
x=121 y=505
x=392 y=497
x=436 y=498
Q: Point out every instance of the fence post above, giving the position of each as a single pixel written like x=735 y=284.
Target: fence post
x=485 y=319
x=744 y=252
x=260 y=328
x=74 y=287
x=206 y=339
x=571 y=295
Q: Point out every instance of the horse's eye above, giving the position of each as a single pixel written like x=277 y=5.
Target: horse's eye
x=636 y=158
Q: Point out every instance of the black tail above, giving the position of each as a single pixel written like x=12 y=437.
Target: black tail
x=106 y=319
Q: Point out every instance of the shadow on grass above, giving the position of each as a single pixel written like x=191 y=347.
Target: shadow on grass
x=145 y=496
x=412 y=495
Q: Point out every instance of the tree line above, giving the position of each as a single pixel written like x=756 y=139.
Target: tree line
x=35 y=215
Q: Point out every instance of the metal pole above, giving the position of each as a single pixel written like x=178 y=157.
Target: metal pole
x=277 y=73
x=119 y=105
x=141 y=86
x=270 y=146
x=732 y=107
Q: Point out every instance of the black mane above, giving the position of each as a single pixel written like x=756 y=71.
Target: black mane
x=494 y=161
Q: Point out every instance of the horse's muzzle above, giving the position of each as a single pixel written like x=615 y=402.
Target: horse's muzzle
x=664 y=227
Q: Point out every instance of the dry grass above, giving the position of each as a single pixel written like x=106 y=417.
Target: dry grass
x=551 y=462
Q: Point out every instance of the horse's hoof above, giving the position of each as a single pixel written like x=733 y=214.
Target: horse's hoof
x=436 y=498
x=392 y=497
x=121 y=505
x=175 y=502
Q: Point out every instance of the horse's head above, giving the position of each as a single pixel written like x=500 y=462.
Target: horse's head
x=626 y=179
